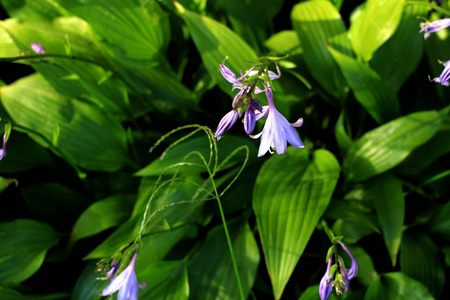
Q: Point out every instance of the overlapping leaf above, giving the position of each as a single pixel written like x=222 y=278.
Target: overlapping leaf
x=291 y=193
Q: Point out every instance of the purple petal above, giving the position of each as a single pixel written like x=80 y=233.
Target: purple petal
x=226 y=123
x=444 y=78
x=325 y=282
x=3 y=150
x=428 y=27
x=227 y=74
x=37 y=48
x=353 y=271
x=263 y=113
x=249 y=119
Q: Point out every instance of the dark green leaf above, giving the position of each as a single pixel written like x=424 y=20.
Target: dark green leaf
x=377 y=97
x=88 y=285
x=366 y=269
x=387 y=197
x=211 y=274
x=319 y=25
x=397 y=286
x=291 y=191
x=388 y=145
x=24 y=246
x=419 y=259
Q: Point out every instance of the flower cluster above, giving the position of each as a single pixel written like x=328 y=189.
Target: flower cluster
x=428 y=28
x=126 y=282
x=339 y=280
x=277 y=130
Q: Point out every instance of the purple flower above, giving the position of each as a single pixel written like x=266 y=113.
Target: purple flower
x=125 y=283
x=445 y=75
x=226 y=123
x=353 y=271
x=428 y=27
x=325 y=282
x=37 y=48
x=277 y=130
x=3 y=150
x=112 y=272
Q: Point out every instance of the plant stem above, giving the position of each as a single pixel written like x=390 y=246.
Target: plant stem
x=230 y=245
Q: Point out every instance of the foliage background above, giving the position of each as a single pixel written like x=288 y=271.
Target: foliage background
x=119 y=74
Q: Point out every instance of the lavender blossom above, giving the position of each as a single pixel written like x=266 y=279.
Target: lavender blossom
x=37 y=48
x=3 y=150
x=429 y=28
x=444 y=78
x=226 y=123
x=325 y=282
x=112 y=272
x=353 y=271
x=126 y=283
x=277 y=130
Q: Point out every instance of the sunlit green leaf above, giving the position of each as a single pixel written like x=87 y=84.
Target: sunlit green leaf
x=214 y=42
x=388 y=145
x=292 y=191
x=319 y=25
x=88 y=136
x=376 y=23
x=24 y=246
x=377 y=97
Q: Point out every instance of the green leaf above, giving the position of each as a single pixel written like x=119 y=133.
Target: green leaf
x=101 y=215
x=88 y=286
x=319 y=25
x=214 y=42
x=366 y=269
x=352 y=230
x=24 y=246
x=399 y=56
x=88 y=136
x=343 y=139
x=165 y=279
x=397 y=286
x=387 y=196
x=291 y=192
x=388 y=145
x=377 y=97
x=419 y=259
x=24 y=9
x=125 y=30
x=211 y=274
x=439 y=225
x=375 y=24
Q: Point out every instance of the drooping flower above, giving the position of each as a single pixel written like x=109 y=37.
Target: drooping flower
x=37 y=48
x=226 y=123
x=445 y=75
x=126 y=283
x=340 y=281
x=112 y=272
x=277 y=130
x=325 y=282
x=3 y=150
x=430 y=27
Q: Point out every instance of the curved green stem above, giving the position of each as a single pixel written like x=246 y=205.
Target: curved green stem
x=227 y=234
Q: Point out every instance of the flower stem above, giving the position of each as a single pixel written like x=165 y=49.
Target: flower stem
x=230 y=245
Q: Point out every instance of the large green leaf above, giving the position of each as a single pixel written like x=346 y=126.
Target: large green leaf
x=319 y=25
x=211 y=274
x=81 y=132
x=128 y=31
x=165 y=280
x=366 y=269
x=375 y=24
x=24 y=246
x=388 y=145
x=439 y=225
x=30 y=8
x=101 y=215
x=399 y=56
x=397 y=286
x=377 y=97
x=291 y=193
x=214 y=42
x=419 y=259
x=88 y=286
x=387 y=196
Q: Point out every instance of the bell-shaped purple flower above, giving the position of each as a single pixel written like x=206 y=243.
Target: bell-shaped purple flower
x=249 y=119
x=112 y=272
x=445 y=75
x=325 y=282
x=3 y=150
x=353 y=271
x=126 y=283
x=429 y=28
x=226 y=123
x=277 y=130
x=37 y=48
